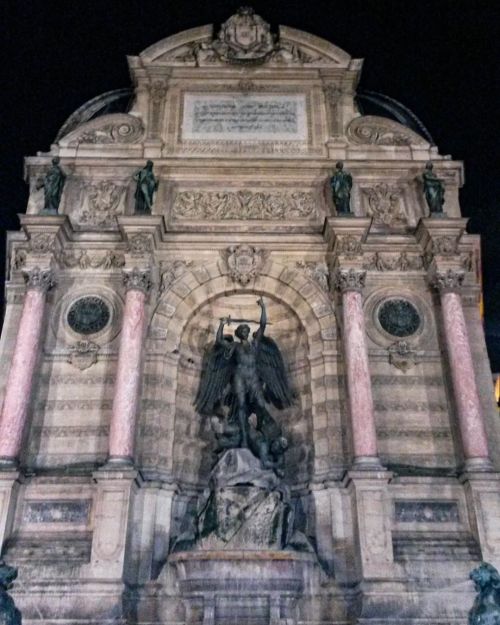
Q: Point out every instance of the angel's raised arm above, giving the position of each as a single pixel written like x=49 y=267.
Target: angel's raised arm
x=219 y=338
x=263 y=319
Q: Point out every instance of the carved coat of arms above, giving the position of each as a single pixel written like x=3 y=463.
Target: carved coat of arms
x=244 y=262
x=244 y=38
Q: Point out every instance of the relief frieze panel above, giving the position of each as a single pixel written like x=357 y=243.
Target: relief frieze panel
x=103 y=204
x=245 y=204
x=83 y=260
x=384 y=204
x=394 y=262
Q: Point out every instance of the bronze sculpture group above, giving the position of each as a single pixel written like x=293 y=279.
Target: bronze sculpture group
x=238 y=379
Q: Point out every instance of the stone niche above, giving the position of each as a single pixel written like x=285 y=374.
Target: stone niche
x=193 y=440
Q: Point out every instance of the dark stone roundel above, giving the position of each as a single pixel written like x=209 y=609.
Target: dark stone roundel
x=88 y=315
x=399 y=317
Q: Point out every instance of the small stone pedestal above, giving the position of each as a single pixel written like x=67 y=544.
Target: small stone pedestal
x=241 y=587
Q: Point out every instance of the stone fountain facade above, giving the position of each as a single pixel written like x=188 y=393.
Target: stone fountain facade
x=394 y=439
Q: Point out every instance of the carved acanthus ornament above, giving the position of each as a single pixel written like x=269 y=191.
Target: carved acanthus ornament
x=108 y=129
x=244 y=262
x=83 y=354
x=245 y=39
x=394 y=262
x=349 y=279
x=445 y=246
x=19 y=259
x=158 y=91
x=171 y=271
x=450 y=280
x=139 y=244
x=42 y=243
x=384 y=205
x=101 y=208
x=138 y=280
x=244 y=204
x=36 y=278
x=348 y=246
x=373 y=130
x=110 y=260
x=318 y=272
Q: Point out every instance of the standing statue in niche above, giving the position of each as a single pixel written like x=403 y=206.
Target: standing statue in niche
x=341 y=185
x=147 y=184
x=242 y=376
x=52 y=184
x=433 y=191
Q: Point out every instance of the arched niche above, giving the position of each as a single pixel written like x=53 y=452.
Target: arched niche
x=193 y=442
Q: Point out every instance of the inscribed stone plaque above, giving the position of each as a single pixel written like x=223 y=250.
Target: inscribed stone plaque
x=244 y=117
x=426 y=511
x=56 y=511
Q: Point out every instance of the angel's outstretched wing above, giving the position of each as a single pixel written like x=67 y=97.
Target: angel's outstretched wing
x=215 y=377
x=272 y=374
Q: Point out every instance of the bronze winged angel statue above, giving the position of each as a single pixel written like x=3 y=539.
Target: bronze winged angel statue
x=238 y=379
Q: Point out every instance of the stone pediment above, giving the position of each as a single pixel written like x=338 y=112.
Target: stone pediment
x=374 y=130
x=245 y=39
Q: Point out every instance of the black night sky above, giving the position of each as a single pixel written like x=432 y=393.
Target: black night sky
x=440 y=58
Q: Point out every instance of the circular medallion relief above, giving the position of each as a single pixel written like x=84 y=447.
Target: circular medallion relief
x=88 y=315
x=399 y=317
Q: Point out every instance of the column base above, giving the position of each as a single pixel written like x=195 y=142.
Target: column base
x=472 y=465
x=367 y=463
x=119 y=462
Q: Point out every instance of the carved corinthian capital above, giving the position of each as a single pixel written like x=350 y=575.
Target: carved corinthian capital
x=349 y=279
x=36 y=278
x=450 y=280
x=138 y=280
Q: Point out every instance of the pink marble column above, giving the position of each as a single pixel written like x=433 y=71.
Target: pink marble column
x=20 y=378
x=359 y=389
x=126 y=395
x=468 y=406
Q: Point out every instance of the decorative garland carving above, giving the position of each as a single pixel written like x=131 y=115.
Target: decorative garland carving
x=374 y=130
x=103 y=200
x=394 y=262
x=349 y=246
x=140 y=244
x=110 y=260
x=384 y=204
x=244 y=204
x=445 y=246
